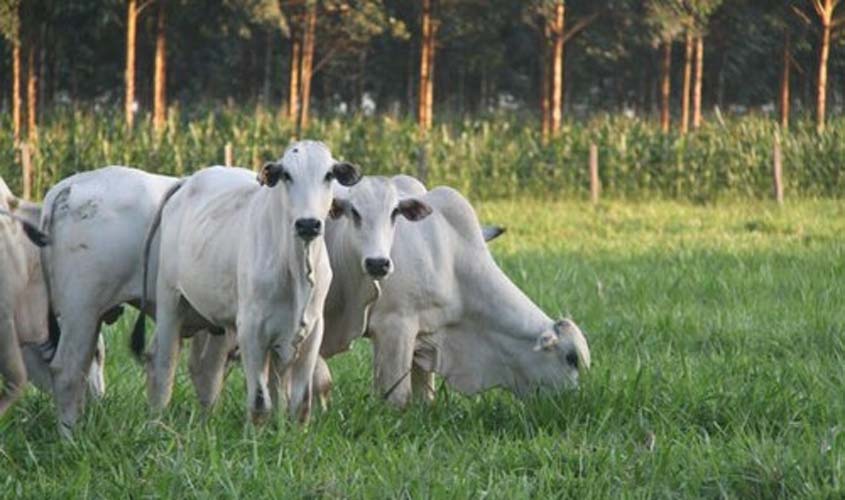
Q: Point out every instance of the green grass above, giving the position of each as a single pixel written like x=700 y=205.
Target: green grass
x=718 y=330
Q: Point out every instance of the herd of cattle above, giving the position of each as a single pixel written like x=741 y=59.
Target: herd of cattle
x=282 y=272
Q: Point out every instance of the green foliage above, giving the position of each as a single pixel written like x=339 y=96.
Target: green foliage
x=491 y=158
x=718 y=340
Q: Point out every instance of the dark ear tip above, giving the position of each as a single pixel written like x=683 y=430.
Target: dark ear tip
x=347 y=174
x=267 y=175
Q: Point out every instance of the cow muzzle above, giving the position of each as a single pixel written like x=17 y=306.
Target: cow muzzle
x=377 y=267
x=308 y=229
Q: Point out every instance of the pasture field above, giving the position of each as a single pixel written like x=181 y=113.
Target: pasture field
x=718 y=341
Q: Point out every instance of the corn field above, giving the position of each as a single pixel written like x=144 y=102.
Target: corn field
x=493 y=158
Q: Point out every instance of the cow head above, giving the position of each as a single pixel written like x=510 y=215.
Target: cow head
x=373 y=208
x=304 y=177
x=563 y=353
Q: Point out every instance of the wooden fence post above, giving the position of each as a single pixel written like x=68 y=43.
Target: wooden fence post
x=777 y=170
x=26 y=163
x=227 y=155
x=595 y=184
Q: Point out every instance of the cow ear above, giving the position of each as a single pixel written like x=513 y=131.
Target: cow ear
x=346 y=174
x=269 y=174
x=414 y=209
x=546 y=341
x=339 y=207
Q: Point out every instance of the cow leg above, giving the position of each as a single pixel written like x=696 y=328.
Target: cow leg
x=12 y=368
x=207 y=364
x=96 y=373
x=300 y=389
x=255 y=361
x=393 y=353
x=165 y=353
x=71 y=364
x=277 y=381
x=423 y=384
x=322 y=383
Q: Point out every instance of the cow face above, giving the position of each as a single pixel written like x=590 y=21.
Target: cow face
x=563 y=353
x=304 y=178
x=373 y=209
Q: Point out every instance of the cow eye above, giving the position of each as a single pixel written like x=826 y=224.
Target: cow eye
x=572 y=359
x=286 y=177
x=329 y=176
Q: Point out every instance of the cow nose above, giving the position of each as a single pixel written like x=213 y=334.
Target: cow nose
x=307 y=229
x=377 y=267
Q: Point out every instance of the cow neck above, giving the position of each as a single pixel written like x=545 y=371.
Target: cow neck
x=499 y=331
x=503 y=307
x=354 y=293
x=286 y=254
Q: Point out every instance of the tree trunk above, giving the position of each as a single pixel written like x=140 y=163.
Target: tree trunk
x=268 y=68
x=784 y=82
x=129 y=74
x=16 y=90
x=545 y=86
x=307 y=63
x=687 y=79
x=293 y=91
x=557 y=67
x=699 y=76
x=42 y=72
x=425 y=71
x=665 y=86
x=160 y=83
x=429 y=91
x=824 y=51
x=31 y=94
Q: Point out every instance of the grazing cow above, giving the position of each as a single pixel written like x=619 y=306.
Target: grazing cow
x=249 y=258
x=447 y=308
x=23 y=299
x=97 y=221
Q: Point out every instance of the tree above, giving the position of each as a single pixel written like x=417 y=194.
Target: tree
x=825 y=10
x=306 y=71
x=10 y=25
x=426 y=85
x=129 y=74
x=549 y=18
x=160 y=76
x=666 y=22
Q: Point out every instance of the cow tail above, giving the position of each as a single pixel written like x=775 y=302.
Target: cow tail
x=139 y=332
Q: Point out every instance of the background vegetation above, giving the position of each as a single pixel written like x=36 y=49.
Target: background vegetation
x=679 y=95
x=495 y=157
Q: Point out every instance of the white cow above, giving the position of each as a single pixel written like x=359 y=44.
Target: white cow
x=448 y=308
x=250 y=258
x=97 y=221
x=360 y=238
x=23 y=299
